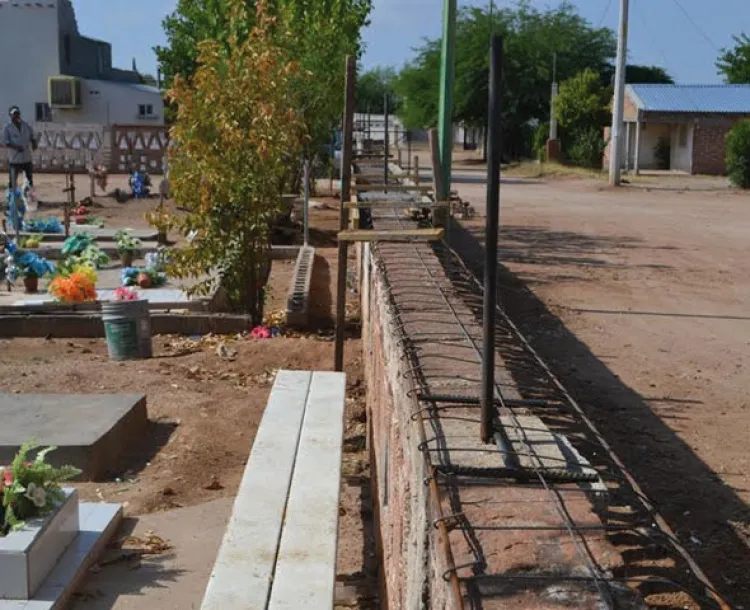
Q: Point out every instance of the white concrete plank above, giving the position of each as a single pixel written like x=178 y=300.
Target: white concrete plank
x=242 y=575
x=306 y=565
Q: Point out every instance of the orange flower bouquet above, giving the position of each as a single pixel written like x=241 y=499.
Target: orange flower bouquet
x=78 y=287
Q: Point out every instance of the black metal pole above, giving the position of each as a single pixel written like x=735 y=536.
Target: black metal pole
x=493 y=218
x=386 y=141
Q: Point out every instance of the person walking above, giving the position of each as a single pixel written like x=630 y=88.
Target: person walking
x=20 y=140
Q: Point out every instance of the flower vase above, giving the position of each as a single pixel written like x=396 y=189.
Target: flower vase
x=126 y=257
x=31 y=283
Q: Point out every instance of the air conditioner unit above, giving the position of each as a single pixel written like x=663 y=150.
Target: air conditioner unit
x=65 y=92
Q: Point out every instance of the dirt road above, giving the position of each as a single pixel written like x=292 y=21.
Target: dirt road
x=639 y=300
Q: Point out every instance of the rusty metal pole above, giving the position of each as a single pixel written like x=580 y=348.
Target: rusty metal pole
x=346 y=186
x=493 y=219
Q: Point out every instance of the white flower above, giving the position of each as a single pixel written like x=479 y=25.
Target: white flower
x=37 y=495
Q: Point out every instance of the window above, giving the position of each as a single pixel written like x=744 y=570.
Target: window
x=66 y=49
x=145 y=111
x=43 y=112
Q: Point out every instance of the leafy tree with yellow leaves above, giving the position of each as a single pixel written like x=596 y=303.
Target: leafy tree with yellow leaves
x=236 y=128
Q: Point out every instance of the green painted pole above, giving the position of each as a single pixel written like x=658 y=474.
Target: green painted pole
x=447 y=78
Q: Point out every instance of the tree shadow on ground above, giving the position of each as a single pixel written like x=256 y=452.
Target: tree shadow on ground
x=543 y=248
x=707 y=515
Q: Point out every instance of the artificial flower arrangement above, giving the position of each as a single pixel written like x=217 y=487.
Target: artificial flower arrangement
x=30 y=488
x=126 y=294
x=78 y=287
x=126 y=247
x=142 y=277
x=43 y=225
x=81 y=250
x=31 y=267
x=80 y=214
x=31 y=242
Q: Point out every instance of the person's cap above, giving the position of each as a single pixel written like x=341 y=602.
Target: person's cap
x=14 y=110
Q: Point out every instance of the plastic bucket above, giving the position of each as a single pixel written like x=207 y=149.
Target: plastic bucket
x=127 y=325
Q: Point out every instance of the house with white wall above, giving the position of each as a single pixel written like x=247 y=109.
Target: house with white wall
x=680 y=127
x=57 y=75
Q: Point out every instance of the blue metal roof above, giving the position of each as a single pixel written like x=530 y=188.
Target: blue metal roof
x=725 y=99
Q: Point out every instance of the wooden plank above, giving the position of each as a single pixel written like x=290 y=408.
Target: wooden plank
x=397 y=204
x=306 y=565
x=391 y=188
x=244 y=568
x=392 y=235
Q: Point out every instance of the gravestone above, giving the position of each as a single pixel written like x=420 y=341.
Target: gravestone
x=92 y=432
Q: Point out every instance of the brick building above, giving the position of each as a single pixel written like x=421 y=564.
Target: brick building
x=680 y=127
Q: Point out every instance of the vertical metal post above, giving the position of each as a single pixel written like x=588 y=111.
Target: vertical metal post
x=346 y=186
x=306 y=210
x=493 y=217
x=408 y=151
x=615 y=147
x=445 y=120
x=369 y=130
x=386 y=140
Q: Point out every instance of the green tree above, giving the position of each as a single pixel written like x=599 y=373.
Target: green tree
x=738 y=154
x=372 y=87
x=531 y=38
x=734 y=64
x=582 y=102
x=417 y=88
x=317 y=34
x=581 y=110
x=646 y=74
x=192 y=22
x=235 y=128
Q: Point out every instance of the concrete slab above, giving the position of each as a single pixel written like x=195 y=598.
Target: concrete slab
x=306 y=563
x=172 y=295
x=175 y=580
x=100 y=233
x=52 y=250
x=92 y=432
x=244 y=570
x=98 y=523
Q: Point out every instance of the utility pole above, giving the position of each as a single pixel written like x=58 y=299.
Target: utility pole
x=445 y=121
x=615 y=147
x=552 y=118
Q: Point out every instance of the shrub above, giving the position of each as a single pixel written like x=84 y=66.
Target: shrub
x=541 y=135
x=738 y=155
x=587 y=148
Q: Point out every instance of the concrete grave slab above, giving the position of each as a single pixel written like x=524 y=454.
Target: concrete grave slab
x=98 y=522
x=92 y=431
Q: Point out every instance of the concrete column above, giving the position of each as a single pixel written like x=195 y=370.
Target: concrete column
x=628 y=126
x=638 y=129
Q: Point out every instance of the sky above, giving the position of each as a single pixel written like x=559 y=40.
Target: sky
x=682 y=36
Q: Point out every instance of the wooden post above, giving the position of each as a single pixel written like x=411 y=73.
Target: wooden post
x=439 y=217
x=416 y=170
x=70 y=192
x=346 y=183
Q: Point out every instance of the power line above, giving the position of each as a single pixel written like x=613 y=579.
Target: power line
x=698 y=28
x=605 y=13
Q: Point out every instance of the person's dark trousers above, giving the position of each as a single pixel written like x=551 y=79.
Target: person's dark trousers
x=18 y=169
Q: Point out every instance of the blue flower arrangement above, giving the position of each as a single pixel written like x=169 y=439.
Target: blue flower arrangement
x=30 y=264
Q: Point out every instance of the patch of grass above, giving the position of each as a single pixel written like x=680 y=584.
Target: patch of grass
x=533 y=169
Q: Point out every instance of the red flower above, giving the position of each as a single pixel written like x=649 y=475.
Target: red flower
x=7 y=478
